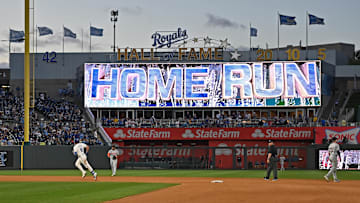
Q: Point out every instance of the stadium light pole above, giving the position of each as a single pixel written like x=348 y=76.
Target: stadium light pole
x=114 y=15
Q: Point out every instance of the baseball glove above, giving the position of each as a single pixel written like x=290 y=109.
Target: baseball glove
x=114 y=157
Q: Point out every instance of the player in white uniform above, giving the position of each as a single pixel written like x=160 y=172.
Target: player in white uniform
x=347 y=161
x=342 y=160
x=334 y=151
x=80 y=150
x=112 y=154
x=282 y=161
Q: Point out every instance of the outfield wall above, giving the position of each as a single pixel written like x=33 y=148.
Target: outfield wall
x=10 y=157
x=61 y=157
x=231 y=156
x=50 y=157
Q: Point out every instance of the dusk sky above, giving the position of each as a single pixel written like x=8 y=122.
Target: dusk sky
x=139 y=19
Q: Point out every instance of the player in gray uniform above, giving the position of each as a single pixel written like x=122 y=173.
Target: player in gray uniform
x=80 y=150
x=334 y=151
x=112 y=154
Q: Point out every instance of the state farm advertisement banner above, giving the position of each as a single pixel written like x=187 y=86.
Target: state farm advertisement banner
x=158 y=153
x=303 y=133
x=350 y=133
x=257 y=152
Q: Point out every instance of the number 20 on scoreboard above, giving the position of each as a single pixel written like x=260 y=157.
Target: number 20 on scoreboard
x=292 y=54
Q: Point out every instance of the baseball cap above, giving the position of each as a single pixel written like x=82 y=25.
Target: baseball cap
x=270 y=141
x=334 y=138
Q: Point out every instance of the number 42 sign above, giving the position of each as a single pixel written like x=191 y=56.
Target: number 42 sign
x=49 y=57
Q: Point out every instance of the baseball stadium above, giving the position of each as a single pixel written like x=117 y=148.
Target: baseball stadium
x=184 y=117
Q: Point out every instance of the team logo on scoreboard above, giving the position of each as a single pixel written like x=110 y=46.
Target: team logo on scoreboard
x=162 y=39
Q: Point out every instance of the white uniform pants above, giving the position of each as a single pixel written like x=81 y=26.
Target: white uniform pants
x=282 y=168
x=113 y=165
x=83 y=160
x=333 y=169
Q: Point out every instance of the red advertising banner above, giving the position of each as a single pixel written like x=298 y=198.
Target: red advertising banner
x=256 y=153
x=350 y=133
x=159 y=153
x=273 y=133
x=224 y=157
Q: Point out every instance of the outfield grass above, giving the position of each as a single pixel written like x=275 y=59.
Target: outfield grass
x=72 y=191
x=289 y=174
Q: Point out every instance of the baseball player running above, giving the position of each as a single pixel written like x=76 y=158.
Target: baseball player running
x=112 y=154
x=80 y=150
x=334 y=151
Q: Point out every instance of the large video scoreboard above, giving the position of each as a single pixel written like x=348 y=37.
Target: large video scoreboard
x=189 y=85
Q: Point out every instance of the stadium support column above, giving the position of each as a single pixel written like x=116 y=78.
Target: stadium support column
x=26 y=74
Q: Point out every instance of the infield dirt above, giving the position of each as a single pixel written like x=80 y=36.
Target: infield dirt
x=231 y=190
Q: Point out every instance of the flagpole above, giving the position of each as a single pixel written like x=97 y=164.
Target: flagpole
x=90 y=37
x=36 y=39
x=63 y=45
x=82 y=40
x=250 y=43
x=32 y=103
x=9 y=45
x=278 y=37
x=307 y=37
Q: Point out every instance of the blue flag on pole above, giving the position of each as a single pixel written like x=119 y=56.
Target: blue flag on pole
x=69 y=33
x=316 y=20
x=253 y=32
x=96 y=31
x=44 y=31
x=287 y=20
x=16 y=36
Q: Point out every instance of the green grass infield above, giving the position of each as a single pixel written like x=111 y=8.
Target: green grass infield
x=72 y=191
x=289 y=174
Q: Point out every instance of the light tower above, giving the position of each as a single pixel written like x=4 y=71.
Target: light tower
x=114 y=15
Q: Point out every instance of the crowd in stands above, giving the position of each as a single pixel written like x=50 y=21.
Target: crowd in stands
x=52 y=122
x=11 y=107
x=66 y=92
x=61 y=122
x=220 y=120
